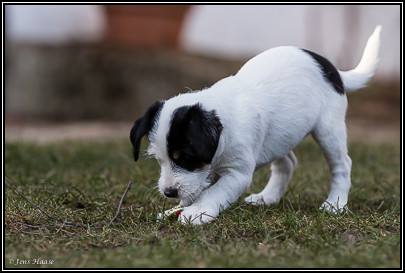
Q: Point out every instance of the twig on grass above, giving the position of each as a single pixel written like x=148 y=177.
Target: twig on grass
x=63 y=223
x=120 y=203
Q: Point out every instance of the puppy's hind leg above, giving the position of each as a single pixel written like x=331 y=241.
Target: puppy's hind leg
x=332 y=139
x=281 y=173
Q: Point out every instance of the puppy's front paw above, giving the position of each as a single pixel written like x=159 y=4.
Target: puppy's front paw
x=197 y=215
x=255 y=199
x=258 y=199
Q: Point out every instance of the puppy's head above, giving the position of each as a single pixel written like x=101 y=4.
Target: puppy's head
x=184 y=142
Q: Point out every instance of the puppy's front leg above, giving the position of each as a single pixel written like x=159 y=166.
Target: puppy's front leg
x=217 y=198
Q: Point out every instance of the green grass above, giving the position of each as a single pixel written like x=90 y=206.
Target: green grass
x=84 y=181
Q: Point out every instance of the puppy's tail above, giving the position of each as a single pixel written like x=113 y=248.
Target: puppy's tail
x=359 y=76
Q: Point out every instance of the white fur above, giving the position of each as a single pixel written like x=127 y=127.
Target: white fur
x=358 y=77
x=274 y=101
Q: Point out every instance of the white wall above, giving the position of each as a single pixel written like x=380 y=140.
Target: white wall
x=338 y=32
x=54 y=24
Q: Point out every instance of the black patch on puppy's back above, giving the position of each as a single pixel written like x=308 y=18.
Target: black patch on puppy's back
x=330 y=72
x=193 y=137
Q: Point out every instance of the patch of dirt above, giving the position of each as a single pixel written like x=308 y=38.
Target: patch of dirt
x=364 y=130
x=52 y=132
x=370 y=131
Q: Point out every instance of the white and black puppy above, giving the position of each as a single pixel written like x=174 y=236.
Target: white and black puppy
x=209 y=143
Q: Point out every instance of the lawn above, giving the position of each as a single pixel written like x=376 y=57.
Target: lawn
x=83 y=182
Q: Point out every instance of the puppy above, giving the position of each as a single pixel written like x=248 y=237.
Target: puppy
x=209 y=143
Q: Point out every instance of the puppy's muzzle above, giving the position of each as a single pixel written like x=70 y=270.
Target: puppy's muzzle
x=171 y=192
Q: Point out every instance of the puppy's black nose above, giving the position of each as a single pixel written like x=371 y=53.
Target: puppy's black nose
x=171 y=192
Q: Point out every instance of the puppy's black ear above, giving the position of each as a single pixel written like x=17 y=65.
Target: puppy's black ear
x=143 y=126
x=194 y=136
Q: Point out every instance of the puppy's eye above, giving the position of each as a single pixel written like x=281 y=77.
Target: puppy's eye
x=176 y=155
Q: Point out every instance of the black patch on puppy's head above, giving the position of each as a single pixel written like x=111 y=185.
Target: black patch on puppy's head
x=330 y=72
x=193 y=137
x=143 y=126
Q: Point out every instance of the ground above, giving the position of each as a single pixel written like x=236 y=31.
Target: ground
x=77 y=171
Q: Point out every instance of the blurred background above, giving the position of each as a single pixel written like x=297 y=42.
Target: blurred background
x=105 y=64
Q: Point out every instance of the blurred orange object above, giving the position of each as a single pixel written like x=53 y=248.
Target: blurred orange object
x=145 y=26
